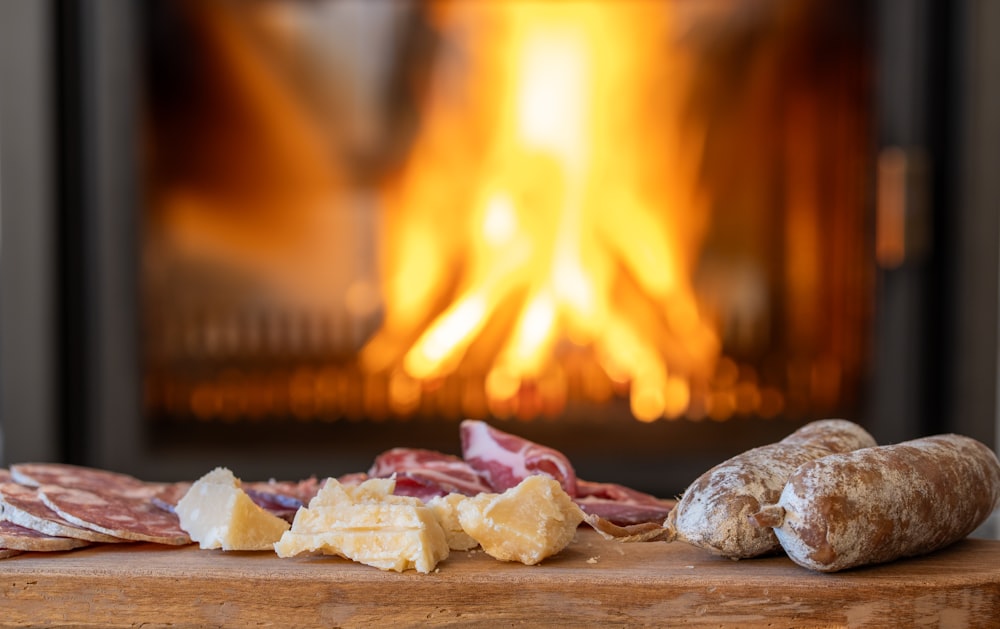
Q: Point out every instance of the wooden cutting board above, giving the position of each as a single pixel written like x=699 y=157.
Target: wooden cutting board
x=593 y=582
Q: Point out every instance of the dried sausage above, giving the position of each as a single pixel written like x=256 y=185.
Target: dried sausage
x=713 y=512
x=884 y=503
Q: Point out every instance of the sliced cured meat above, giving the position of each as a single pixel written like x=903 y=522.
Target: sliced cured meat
x=24 y=507
x=281 y=505
x=168 y=496
x=14 y=537
x=619 y=504
x=642 y=532
x=504 y=460
x=4 y=475
x=77 y=477
x=425 y=473
x=353 y=479
x=115 y=514
x=9 y=552
x=282 y=494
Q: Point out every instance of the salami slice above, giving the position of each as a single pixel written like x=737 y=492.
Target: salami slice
x=287 y=494
x=115 y=514
x=14 y=537
x=168 y=496
x=23 y=506
x=79 y=477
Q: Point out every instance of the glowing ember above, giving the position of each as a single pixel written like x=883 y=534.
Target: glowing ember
x=549 y=213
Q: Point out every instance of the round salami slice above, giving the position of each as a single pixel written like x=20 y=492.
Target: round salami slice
x=113 y=514
x=23 y=506
x=14 y=537
x=79 y=477
x=168 y=497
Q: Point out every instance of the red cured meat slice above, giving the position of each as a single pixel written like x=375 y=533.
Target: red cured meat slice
x=415 y=487
x=353 y=479
x=24 y=507
x=16 y=537
x=619 y=504
x=168 y=497
x=426 y=473
x=79 y=477
x=283 y=494
x=504 y=460
x=114 y=514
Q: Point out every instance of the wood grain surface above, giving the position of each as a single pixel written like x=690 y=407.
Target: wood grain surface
x=591 y=583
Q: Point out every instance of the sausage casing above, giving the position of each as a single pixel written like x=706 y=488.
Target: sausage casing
x=884 y=503
x=714 y=511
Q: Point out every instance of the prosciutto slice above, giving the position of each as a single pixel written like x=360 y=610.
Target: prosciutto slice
x=504 y=460
x=619 y=504
x=425 y=474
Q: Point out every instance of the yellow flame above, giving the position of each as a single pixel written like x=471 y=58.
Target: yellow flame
x=550 y=198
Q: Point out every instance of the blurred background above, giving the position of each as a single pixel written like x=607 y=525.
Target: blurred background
x=286 y=235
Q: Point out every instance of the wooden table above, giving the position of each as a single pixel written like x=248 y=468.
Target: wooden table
x=591 y=583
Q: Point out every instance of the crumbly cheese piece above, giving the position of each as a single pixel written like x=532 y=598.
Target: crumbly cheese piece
x=527 y=523
x=445 y=508
x=217 y=513
x=367 y=524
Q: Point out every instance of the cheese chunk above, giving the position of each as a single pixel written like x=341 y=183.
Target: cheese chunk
x=445 y=509
x=369 y=525
x=527 y=523
x=216 y=513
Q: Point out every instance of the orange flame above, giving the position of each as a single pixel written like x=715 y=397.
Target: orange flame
x=550 y=207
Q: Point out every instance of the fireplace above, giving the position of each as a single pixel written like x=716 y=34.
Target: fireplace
x=649 y=234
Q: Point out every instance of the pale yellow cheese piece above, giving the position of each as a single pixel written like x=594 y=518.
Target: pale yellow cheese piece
x=217 y=513
x=527 y=523
x=369 y=525
x=445 y=509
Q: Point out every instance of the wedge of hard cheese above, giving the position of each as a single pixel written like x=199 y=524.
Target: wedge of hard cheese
x=217 y=513
x=445 y=508
x=529 y=522
x=367 y=524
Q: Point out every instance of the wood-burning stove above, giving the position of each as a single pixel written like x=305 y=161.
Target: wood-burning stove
x=222 y=236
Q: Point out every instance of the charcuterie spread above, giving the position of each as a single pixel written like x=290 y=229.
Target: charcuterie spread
x=827 y=496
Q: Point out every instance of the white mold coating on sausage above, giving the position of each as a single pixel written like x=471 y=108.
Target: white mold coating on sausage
x=714 y=512
x=884 y=503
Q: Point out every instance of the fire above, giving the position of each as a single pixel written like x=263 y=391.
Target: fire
x=549 y=211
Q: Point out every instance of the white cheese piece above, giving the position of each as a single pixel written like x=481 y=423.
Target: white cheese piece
x=445 y=509
x=217 y=513
x=369 y=525
x=527 y=523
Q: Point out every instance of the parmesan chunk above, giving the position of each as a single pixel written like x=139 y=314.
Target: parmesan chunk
x=445 y=508
x=367 y=524
x=217 y=513
x=527 y=523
